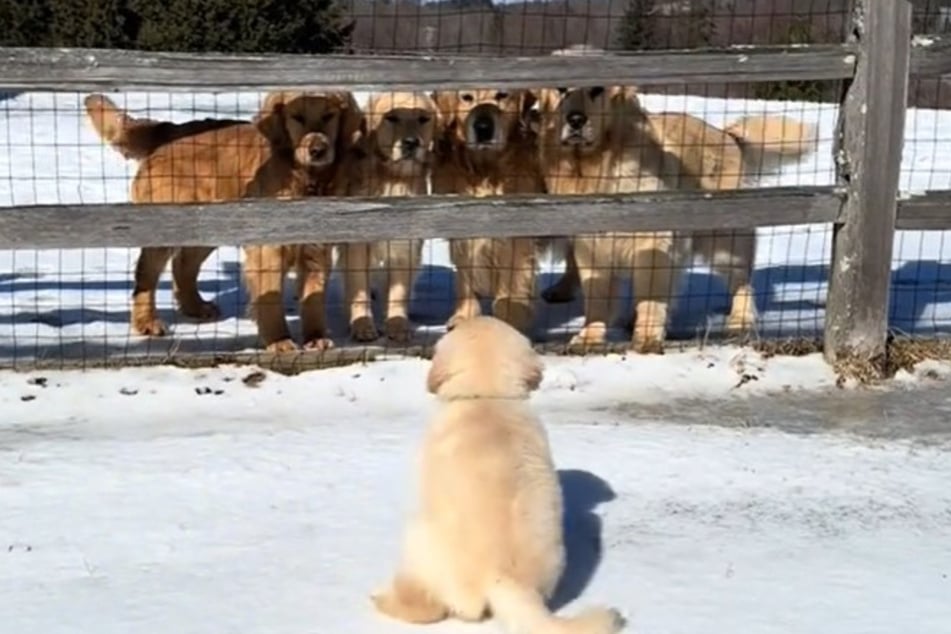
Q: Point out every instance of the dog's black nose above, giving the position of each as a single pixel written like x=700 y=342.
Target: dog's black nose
x=410 y=144
x=484 y=128
x=318 y=153
x=576 y=119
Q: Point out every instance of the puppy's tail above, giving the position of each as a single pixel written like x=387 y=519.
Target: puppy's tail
x=136 y=138
x=522 y=610
x=768 y=141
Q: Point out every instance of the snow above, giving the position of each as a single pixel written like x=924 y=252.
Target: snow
x=278 y=508
x=707 y=491
x=72 y=302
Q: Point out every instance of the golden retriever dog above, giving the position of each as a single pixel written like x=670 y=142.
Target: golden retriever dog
x=486 y=149
x=290 y=149
x=487 y=537
x=393 y=159
x=600 y=141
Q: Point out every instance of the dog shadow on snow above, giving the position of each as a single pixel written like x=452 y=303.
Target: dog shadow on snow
x=582 y=492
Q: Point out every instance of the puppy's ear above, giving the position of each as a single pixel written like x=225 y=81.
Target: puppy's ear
x=622 y=93
x=446 y=102
x=528 y=116
x=438 y=373
x=534 y=372
x=351 y=124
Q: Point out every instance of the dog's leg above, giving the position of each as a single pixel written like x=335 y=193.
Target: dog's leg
x=596 y=276
x=655 y=275
x=148 y=270
x=402 y=261
x=264 y=269
x=563 y=291
x=356 y=261
x=514 y=264
x=407 y=600
x=465 y=257
x=313 y=266
x=185 y=267
x=731 y=255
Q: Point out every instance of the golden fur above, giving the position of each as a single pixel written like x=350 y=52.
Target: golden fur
x=597 y=141
x=393 y=160
x=486 y=149
x=665 y=150
x=487 y=537
x=230 y=162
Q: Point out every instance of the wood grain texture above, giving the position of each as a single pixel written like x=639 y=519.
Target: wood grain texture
x=357 y=220
x=931 y=56
x=927 y=212
x=106 y=69
x=873 y=122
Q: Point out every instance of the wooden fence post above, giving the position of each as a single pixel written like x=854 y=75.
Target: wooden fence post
x=872 y=121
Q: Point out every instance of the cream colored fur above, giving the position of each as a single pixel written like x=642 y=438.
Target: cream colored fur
x=385 y=166
x=487 y=535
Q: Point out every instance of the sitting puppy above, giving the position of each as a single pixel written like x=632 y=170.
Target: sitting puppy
x=487 y=537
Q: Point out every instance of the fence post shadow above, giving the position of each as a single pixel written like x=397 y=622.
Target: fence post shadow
x=582 y=492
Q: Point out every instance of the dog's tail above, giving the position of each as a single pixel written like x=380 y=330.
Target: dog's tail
x=137 y=138
x=522 y=610
x=769 y=141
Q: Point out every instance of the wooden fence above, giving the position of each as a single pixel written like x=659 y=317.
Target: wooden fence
x=875 y=64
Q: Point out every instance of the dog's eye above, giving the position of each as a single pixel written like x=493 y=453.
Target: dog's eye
x=596 y=92
x=329 y=116
x=392 y=118
x=424 y=119
x=467 y=98
x=499 y=96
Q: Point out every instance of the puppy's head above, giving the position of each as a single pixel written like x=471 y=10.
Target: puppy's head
x=401 y=128
x=288 y=116
x=581 y=118
x=483 y=120
x=484 y=357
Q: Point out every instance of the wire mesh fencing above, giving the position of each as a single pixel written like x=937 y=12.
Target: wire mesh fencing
x=121 y=306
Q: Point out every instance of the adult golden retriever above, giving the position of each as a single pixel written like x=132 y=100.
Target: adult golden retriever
x=230 y=162
x=393 y=159
x=601 y=140
x=487 y=149
x=596 y=141
x=488 y=535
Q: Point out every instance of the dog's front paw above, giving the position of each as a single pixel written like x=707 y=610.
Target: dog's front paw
x=282 y=346
x=561 y=292
x=318 y=343
x=149 y=326
x=591 y=336
x=397 y=329
x=204 y=311
x=647 y=345
x=740 y=324
x=363 y=329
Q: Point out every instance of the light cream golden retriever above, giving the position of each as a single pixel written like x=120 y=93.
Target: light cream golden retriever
x=486 y=148
x=393 y=160
x=598 y=140
x=488 y=537
x=289 y=150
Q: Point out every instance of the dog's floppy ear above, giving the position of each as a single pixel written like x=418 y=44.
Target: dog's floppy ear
x=446 y=104
x=351 y=124
x=270 y=119
x=528 y=116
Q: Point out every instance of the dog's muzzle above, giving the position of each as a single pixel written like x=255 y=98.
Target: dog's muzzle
x=576 y=120
x=409 y=146
x=482 y=124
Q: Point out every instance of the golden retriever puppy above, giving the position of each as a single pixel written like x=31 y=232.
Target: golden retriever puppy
x=487 y=537
x=242 y=160
x=393 y=159
x=600 y=141
x=487 y=149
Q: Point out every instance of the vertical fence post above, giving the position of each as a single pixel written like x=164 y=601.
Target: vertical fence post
x=872 y=122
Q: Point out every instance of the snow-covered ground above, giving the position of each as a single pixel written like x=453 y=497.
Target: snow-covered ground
x=708 y=491
x=164 y=500
x=75 y=302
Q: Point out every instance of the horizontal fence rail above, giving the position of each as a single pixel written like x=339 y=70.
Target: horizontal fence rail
x=363 y=219
x=100 y=69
